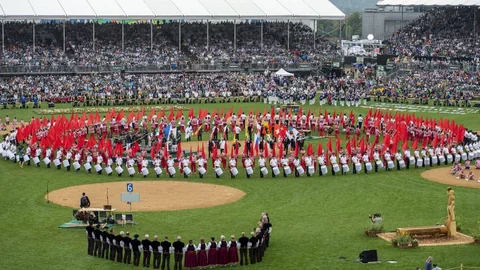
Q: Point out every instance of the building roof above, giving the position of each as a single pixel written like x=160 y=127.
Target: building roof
x=429 y=3
x=169 y=9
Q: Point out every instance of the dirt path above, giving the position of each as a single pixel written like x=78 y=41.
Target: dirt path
x=154 y=195
x=443 y=176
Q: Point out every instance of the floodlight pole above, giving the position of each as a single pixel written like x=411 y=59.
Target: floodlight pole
x=261 y=35
x=33 y=35
x=288 y=35
x=401 y=24
x=234 y=35
x=64 y=39
x=123 y=36
x=179 y=35
x=3 y=36
x=93 y=34
x=474 y=25
x=314 y=33
x=208 y=37
x=151 y=35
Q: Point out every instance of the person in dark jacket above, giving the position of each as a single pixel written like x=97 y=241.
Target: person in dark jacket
x=136 y=252
x=146 y=243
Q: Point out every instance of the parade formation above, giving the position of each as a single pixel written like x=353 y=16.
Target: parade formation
x=273 y=143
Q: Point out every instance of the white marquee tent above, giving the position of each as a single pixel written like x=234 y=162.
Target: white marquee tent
x=169 y=9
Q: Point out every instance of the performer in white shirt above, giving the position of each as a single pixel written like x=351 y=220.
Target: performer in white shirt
x=217 y=164
x=38 y=152
x=274 y=166
x=407 y=155
x=170 y=167
x=89 y=162
x=376 y=159
x=344 y=164
x=286 y=168
x=145 y=168
x=68 y=158
x=388 y=160
x=98 y=167
x=156 y=166
x=310 y=167
x=58 y=158
x=321 y=164
x=298 y=167
x=333 y=161
x=399 y=160
x=248 y=167
x=366 y=162
x=262 y=165
x=48 y=155
x=354 y=163
x=119 y=162
x=76 y=163
x=108 y=169
x=232 y=163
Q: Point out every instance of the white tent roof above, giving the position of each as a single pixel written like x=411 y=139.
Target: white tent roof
x=282 y=72
x=171 y=9
x=429 y=3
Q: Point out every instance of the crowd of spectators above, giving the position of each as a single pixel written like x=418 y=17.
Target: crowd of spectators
x=440 y=32
x=458 y=87
x=106 y=50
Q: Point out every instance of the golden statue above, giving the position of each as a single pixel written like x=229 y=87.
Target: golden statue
x=450 y=222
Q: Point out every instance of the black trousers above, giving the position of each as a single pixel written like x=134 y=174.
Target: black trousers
x=105 y=249
x=243 y=256
x=146 y=258
x=113 y=251
x=166 y=261
x=119 y=254
x=407 y=162
x=177 y=265
x=127 y=257
x=97 y=252
x=157 y=257
x=136 y=258
x=253 y=255
x=90 y=246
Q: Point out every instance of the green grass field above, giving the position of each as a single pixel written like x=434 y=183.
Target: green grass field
x=315 y=220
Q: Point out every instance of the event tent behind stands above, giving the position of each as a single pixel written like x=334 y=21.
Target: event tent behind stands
x=283 y=73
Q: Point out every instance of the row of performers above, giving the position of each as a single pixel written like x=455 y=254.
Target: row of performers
x=298 y=165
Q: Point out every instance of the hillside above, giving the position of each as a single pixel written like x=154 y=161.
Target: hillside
x=349 y=6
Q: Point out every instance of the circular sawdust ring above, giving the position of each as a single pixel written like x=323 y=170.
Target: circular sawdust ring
x=154 y=195
x=443 y=176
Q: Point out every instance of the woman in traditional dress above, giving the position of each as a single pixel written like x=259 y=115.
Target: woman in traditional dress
x=222 y=251
x=233 y=251
x=202 y=248
x=212 y=253
x=190 y=255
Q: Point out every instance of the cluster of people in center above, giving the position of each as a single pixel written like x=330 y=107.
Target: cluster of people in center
x=120 y=248
x=465 y=172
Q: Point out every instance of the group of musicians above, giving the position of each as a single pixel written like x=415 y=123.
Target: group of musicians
x=121 y=248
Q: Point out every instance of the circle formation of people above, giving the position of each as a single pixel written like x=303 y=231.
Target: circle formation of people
x=274 y=142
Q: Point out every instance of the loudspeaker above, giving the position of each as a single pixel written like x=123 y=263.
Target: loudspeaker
x=107 y=207
x=382 y=60
x=368 y=256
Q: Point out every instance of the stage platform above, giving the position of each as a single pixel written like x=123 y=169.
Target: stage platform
x=77 y=224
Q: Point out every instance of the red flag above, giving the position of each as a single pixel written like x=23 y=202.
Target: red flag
x=179 y=114
x=329 y=145
x=265 y=149
x=415 y=145
x=296 y=150
x=179 y=150
x=119 y=117
x=91 y=142
x=170 y=116
x=349 y=148
x=151 y=114
x=203 y=151
x=338 y=145
x=319 y=149
x=310 y=149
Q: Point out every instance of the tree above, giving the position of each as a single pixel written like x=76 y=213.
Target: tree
x=354 y=24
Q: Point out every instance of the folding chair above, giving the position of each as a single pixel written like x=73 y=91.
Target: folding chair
x=129 y=219
x=119 y=219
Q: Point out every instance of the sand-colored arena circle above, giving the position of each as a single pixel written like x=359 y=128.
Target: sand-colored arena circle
x=154 y=195
x=443 y=176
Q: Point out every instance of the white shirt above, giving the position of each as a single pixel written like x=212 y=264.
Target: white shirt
x=333 y=159
x=261 y=162
x=248 y=162
x=273 y=162
x=232 y=163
